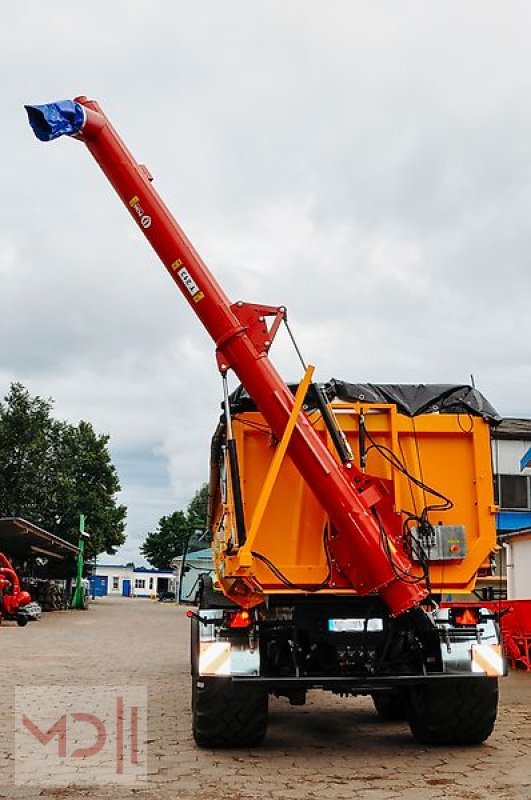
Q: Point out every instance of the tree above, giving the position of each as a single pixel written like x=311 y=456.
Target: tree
x=88 y=483
x=196 y=513
x=26 y=454
x=161 y=546
x=51 y=471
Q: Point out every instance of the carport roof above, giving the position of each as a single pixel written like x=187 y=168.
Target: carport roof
x=20 y=538
x=513 y=428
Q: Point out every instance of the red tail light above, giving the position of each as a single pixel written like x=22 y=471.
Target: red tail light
x=466 y=616
x=238 y=619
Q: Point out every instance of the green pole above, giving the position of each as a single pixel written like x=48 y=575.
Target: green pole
x=78 y=599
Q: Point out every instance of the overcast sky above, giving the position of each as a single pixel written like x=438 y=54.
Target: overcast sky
x=366 y=163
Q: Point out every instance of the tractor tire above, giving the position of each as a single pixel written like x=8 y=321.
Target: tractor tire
x=390 y=706
x=225 y=714
x=454 y=712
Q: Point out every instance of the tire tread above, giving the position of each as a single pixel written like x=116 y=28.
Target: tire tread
x=458 y=712
x=228 y=715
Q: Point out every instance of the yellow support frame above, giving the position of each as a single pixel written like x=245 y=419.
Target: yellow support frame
x=244 y=556
x=278 y=458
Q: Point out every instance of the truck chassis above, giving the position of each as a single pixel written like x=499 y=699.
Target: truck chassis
x=422 y=666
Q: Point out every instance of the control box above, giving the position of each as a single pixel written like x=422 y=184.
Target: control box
x=441 y=542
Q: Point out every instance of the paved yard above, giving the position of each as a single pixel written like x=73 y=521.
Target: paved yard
x=330 y=748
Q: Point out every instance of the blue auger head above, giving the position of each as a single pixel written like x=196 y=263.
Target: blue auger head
x=66 y=117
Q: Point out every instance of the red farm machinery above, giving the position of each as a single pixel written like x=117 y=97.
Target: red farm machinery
x=329 y=559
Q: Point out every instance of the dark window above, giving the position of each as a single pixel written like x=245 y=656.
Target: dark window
x=512 y=491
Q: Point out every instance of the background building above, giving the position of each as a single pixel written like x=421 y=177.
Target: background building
x=130 y=581
x=511 y=453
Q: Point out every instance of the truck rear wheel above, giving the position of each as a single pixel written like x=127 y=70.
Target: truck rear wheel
x=454 y=711
x=390 y=705
x=226 y=714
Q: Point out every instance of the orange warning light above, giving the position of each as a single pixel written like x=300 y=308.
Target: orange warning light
x=466 y=616
x=238 y=619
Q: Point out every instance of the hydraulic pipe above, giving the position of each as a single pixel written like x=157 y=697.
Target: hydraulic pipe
x=368 y=567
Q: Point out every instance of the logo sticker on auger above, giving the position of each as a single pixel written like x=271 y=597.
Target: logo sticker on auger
x=144 y=219
x=188 y=281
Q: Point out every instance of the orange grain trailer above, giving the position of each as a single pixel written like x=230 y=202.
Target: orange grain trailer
x=447 y=452
x=430 y=446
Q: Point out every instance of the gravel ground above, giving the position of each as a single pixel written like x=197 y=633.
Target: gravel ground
x=331 y=748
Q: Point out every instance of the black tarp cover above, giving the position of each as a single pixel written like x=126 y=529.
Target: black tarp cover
x=410 y=399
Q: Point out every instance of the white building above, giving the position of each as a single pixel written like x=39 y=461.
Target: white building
x=130 y=581
x=517 y=547
x=511 y=452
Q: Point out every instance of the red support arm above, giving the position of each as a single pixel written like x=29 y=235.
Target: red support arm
x=345 y=493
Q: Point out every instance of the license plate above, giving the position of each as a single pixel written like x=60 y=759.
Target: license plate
x=371 y=625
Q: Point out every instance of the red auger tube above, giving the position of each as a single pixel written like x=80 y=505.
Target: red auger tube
x=357 y=530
